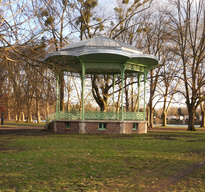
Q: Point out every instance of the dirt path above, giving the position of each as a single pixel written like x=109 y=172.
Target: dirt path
x=166 y=183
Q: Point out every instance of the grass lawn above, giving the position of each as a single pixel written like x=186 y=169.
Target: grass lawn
x=43 y=161
x=23 y=123
x=8 y=126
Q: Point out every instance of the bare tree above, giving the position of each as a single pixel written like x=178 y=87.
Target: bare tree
x=202 y=106
x=151 y=38
x=171 y=76
x=125 y=11
x=187 y=34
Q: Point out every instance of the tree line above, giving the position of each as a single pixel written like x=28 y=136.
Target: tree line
x=173 y=31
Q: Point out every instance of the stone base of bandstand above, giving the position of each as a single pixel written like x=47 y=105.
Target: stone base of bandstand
x=92 y=126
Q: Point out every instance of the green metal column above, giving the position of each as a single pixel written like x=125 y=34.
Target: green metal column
x=83 y=84
x=113 y=100
x=122 y=77
x=145 y=81
x=57 y=94
x=139 y=79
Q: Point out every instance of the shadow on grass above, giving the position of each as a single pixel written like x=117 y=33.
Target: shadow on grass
x=26 y=132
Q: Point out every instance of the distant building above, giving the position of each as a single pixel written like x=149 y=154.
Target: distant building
x=171 y=117
x=186 y=117
x=181 y=117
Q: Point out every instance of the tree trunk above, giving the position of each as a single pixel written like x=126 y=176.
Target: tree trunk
x=38 y=113
x=68 y=102
x=62 y=92
x=28 y=114
x=203 y=118
x=202 y=105
x=18 y=117
x=118 y=102
x=47 y=109
x=9 y=115
x=164 y=118
x=37 y=108
x=103 y=107
x=126 y=96
x=151 y=118
x=136 y=104
x=39 y=117
x=150 y=100
x=18 y=112
x=68 y=106
x=23 y=117
x=132 y=96
x=191 y=120
x=9 y=109
x=30 y=117
x=148 y=116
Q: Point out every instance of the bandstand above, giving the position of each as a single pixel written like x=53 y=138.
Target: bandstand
x=101 y=55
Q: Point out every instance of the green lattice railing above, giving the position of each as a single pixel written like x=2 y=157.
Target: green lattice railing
x=95 y=115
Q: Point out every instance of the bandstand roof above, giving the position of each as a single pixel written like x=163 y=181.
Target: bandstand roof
x=102 y=55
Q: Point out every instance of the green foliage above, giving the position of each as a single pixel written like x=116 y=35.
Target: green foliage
x=111 y=23
x=125 y=15
x=118 y=10
x=145 y=1
x=86 y=19
x=121 y=17
x=139 y=30
x=139 y=5
x=43 y=42
x=125 y=1
x=131 y=35
x=91 y=3
x=99 y=27
x=98 y=19
x=49 y=21
x=77 y=21
x=44 y=13
x=65 y=2
x=130 y=9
